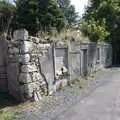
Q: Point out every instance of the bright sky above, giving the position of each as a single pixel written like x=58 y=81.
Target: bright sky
x=79 y=5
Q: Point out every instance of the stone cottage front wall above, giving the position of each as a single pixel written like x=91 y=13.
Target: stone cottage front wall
x=35 y=67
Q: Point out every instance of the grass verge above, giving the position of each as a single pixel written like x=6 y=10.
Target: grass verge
x=6 y=115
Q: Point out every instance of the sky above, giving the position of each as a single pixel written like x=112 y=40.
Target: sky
x=79 y=5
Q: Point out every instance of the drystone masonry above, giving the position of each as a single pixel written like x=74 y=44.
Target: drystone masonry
x=31 y=67
x=25 y=77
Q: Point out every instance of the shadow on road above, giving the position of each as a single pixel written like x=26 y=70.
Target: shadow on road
x=7 y=100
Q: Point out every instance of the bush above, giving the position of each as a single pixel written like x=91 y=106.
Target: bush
x=95 y=30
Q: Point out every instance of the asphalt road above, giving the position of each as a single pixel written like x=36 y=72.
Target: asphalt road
x=102 y=104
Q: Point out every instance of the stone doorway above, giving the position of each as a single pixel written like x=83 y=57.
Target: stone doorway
x=84 y=62
x=116 y=51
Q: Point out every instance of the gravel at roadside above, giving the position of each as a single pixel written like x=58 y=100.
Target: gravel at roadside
x=54 y=105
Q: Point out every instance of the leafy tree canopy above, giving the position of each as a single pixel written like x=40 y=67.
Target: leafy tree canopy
x=69 y=11
x=35 y=15
x=6 y=14
x=95 y=29
x=109 y=10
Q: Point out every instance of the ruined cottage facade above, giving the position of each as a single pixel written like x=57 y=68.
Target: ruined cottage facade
x=31 y=67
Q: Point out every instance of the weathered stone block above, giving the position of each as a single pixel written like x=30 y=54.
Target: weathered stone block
x=47 y=46
x=37 y=76
x=28 y=47
x=13 y=50
x=28 y=96
x=25 y=78
x=27 y=88
x=24 y=58
x=13 y=58
x=30 y=87
x=37 y=96
x=44 y=46
x=41 y=45
x=35 y=39
x=31 y=67
x=35 y=57
x=21 y=34
x=13 y=43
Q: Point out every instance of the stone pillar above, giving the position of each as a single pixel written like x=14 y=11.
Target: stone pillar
x=24 y=79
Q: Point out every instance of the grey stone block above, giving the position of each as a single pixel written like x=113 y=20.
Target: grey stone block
x=28 y=47
x=25 y=58
x=13 y=50
x=25 y=78
x=31 y=67
x=21 y=34
x=37 y=76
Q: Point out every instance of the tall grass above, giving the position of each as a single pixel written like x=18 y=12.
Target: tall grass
x=74 y=35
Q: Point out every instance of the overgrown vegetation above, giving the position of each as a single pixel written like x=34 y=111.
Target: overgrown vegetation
x=101 y=20
x=39 y=15
x=68 y=10
x=36 y=15
x=6 y=16
x=6 y=115
x=65 y=35
x=9 y=114
x=109 y=11
x=82 y=86
x=95 y=29
x=99 y=23
x=79 y=82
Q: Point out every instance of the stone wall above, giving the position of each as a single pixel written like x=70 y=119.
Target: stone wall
x=85 y=58
x=27 y=78
x=34 y=67
x=3 y=65
x=61 y=65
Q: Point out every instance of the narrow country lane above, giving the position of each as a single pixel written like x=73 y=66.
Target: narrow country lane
x=101 y=104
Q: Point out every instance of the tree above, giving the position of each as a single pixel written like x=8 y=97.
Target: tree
x=69 y=11
x=95 y=30
x=6 y=15
x=107 y=9
x=110 y=11
x=35 y=15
